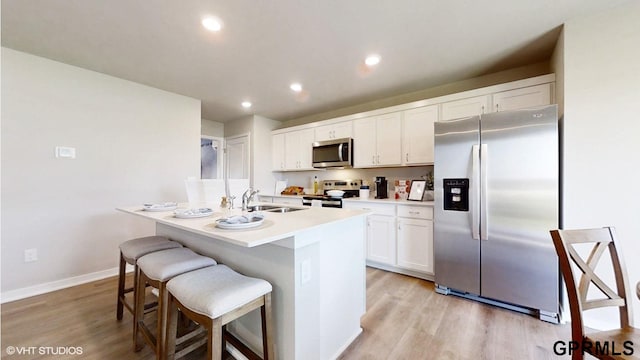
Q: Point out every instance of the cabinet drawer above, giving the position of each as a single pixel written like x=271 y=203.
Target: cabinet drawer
x=417 y=212
x=378 y=209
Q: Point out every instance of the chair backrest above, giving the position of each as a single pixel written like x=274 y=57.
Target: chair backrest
x=602 y=239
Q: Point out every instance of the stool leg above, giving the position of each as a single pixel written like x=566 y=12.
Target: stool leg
x=214 y=340
x=138 y=317
x=172 y=328
x=121 y=278
x=267 y=329
x=162 y=319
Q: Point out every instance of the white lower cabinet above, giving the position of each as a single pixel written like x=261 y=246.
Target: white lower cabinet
x=399 y=237
x=381 y=239
x=415 y=244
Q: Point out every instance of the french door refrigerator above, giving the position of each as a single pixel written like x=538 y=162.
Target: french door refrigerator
x=496 y=198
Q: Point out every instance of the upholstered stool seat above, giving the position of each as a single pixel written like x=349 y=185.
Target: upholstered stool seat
x=130 y=252
x=155 y=269
x=213 y=297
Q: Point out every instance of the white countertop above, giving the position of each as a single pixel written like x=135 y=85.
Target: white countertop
x=389 y=201
x=276 y=226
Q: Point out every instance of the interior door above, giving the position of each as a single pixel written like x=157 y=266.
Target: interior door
x=457 y=253
x=238 y=157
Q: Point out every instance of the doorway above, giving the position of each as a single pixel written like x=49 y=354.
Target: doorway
x=211 y=157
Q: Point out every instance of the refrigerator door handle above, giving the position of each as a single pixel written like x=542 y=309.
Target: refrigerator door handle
x=484 y=200
x=475 y=192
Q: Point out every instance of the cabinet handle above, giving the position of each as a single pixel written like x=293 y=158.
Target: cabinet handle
x=482 y=110
x=373 y=159
x=378 y=161
x=414 y=212
x=407 y=157
x=497 y=107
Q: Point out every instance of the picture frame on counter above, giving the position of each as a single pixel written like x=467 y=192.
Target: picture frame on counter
x=416 y=193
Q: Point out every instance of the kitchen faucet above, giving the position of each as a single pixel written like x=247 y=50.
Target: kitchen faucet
x=246 y=199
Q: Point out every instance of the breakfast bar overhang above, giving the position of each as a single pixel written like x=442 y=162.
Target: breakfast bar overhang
x=314 y=259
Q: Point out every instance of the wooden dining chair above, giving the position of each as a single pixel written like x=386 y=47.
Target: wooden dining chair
x=620 y=343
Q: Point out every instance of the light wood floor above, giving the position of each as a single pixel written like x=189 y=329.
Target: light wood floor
x=405 y=319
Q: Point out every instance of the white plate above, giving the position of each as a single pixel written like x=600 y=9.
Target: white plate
x=255 y=220
x=192 y=213
x=168 y=206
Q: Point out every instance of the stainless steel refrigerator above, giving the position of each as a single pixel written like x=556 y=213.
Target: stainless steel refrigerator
x=496 y=182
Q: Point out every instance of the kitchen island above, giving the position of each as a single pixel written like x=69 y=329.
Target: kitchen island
x=315 y=260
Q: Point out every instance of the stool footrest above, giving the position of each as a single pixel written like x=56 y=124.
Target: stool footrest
x=236 y=343
x=190 y=348
x=200 y=330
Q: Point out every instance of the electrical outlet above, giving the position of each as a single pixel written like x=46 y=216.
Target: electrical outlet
x=30 y=255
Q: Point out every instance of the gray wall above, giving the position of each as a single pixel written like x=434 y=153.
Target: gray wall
x=134 y=144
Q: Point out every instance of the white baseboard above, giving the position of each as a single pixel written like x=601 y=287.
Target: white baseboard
x=346 y=344
x=30 y=291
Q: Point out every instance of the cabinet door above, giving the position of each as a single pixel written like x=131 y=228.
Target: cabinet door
x=364 y=142
x=417 y=135
x=388 y=139
x=415 y=244
x=291 y=146
x=334 y=131
x=532 y=96
x=305 y=145
x=381 y=239
x=343 y=130
x=278 y=151
x=466 y=107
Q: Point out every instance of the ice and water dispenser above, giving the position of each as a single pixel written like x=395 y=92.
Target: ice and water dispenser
x=456 y=194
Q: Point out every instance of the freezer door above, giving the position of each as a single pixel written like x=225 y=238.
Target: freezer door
x=457 y=253
x=519 y=155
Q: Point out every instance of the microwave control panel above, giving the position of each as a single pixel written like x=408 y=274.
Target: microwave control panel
x=456 y=194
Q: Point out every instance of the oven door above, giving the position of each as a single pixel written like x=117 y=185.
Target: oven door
x=332 y=153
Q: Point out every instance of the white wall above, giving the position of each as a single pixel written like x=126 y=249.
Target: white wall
x=262 y=176
x=212 y=128
x=601 y=130
x=134 y=144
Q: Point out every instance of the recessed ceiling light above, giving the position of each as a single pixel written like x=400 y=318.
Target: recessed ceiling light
x=372 y=60
x=212 y=24
x=296 y=87
x=246 y=104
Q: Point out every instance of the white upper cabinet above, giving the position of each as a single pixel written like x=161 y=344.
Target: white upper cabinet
x=417 y=135
x=377 y=140
x=402 y=135
x=334 y=131
x=523 y=98
x=277 y=152
x=297 y=145
x=389 y=138
x=472 y=106
x=364 y=142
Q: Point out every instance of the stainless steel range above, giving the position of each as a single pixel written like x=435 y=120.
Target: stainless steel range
x=351 y=188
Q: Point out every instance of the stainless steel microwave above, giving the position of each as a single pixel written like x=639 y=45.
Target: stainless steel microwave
x=333 y=153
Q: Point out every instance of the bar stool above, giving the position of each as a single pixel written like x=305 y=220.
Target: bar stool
x=213 y=297
x=156 y=269
x=130 y=252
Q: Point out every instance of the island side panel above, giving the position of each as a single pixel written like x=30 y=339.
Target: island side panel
x=269 y=262
x=330 y=288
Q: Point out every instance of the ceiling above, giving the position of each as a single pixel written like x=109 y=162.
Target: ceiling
x=266 y=45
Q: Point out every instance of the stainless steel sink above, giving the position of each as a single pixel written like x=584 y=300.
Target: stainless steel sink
x=285 y=209
x=263 y=207
x=275 y=209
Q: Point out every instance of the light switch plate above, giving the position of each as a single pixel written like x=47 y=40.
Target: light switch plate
x=65 y=152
